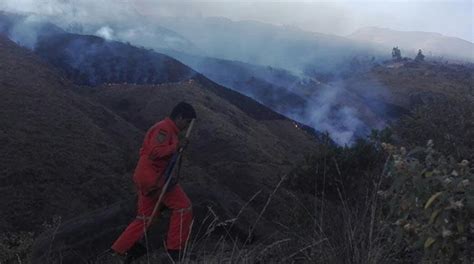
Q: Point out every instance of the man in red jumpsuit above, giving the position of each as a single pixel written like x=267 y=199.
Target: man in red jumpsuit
x=160 y=143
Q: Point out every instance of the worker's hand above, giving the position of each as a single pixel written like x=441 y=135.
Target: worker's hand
x=183 y=143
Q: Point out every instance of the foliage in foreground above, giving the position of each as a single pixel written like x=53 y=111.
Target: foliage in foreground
x=431 y=196
x=423 y=207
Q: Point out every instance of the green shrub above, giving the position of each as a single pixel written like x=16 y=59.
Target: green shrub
x=431 y=201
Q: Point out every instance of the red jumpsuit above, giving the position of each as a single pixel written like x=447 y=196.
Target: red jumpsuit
x=160 y=143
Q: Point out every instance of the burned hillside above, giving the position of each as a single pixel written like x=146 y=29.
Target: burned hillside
x=91 y=142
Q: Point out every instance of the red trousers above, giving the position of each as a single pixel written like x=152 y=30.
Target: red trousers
x=180 y=221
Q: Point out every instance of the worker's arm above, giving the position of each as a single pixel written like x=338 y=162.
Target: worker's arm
x=162 y=144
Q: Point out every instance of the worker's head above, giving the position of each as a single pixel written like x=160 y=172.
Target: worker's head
x=182 y=115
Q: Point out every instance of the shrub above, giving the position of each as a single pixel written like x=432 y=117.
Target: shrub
x=449 y=123
x=334 y=170
x=431 y=203
x=424 y=209
x=419 y=57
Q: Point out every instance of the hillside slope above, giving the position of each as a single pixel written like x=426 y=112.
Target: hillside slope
x=235 y=153
x=65 y=154
x=61 y=153
x=222 y=127
x=324 y=105
x=410 y=84
x=91 y=60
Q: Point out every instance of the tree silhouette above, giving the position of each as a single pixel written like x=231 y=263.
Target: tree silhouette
x=419 y=57
x=396 y=54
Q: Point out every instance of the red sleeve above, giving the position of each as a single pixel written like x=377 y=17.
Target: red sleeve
x=162 y=144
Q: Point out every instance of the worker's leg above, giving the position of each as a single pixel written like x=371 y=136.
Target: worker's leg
x=136 y=228
x=181 y=218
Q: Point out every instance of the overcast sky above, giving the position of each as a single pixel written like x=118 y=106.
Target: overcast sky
x=448 y=17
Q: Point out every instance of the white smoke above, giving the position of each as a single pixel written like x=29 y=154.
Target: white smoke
x=105 y=32
x=325 y=113
x=340 y=17
x=137 y=22
x=25 y=31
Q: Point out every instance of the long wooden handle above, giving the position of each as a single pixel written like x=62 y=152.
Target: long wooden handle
x=165 y=187
x=190 y=128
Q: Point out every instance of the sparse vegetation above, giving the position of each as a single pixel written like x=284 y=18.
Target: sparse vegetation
x=347 y=213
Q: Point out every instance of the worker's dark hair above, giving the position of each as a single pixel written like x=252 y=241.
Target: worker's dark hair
x=184 y=110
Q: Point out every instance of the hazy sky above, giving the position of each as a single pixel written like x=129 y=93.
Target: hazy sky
x=448 y=17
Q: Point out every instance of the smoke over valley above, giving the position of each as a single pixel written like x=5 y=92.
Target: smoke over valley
x=298 y=73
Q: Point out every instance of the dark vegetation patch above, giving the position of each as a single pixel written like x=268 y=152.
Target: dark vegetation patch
x=90 y=60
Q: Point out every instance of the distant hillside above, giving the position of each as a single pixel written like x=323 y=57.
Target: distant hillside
x=410 y=84
x=91 y=60
x=273 y=87
x=266 y=44
x=433 y=44
x=140 y=33
x=324 y=104
x=26 y=29
x=348 y=106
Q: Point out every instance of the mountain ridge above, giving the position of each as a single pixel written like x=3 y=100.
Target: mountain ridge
x=433 y=44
